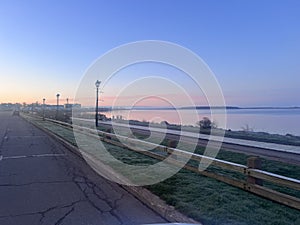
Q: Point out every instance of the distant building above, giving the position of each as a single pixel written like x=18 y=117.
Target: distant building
x=9 y=106
x=71 y=106
x=53 y=107
x=68 y=106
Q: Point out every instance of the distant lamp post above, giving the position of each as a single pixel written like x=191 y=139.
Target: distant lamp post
x=57 y=104
x=97 y=100
x=44 y=108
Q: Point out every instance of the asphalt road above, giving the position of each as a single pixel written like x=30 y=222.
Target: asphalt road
x=41 y=182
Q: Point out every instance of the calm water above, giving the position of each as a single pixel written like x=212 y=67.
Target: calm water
x=281 y=121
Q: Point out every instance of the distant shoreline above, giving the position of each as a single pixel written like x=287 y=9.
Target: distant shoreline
x=108 y=108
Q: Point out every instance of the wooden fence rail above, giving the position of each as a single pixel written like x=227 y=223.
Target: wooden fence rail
x=254 y=177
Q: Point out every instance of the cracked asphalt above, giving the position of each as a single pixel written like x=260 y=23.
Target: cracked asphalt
x=42 y=182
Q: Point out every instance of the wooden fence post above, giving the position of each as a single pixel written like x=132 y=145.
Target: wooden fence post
x=254 y=162
x=107 y=136
x=172 y=144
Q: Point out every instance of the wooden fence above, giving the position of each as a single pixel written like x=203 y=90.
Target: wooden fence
x=254 y=176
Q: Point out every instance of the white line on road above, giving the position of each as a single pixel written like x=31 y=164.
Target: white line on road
x=30 y=156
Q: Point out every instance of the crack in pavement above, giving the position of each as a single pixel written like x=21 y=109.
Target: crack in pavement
x=33 y=183
x=34 y=155
x=88 y=188
x=64 y=216
x=92 y=191
x=92 y=186
x=54 y=147
x=44 y=212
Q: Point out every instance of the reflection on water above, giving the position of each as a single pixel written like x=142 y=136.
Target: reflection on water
x=281 y=121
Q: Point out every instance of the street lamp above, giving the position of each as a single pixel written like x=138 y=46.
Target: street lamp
x=57 y=104
x=97 y=94
x=44 y=108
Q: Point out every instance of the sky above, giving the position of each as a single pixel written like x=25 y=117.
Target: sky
x=252 y=47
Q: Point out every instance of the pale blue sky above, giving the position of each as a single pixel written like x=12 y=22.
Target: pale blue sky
x=253 y=47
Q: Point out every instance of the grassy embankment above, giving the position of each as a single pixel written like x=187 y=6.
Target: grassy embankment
x=205 y=199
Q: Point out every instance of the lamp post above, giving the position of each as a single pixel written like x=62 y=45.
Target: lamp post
x=97 y=95
x=44 y=108
x=57 y=104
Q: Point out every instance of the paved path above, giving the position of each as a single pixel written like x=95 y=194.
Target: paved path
x=265 y=145
x=284 y=153
x=248 y=143
x=41 y=182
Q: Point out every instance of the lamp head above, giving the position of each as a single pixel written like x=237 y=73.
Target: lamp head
x=97 y=83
